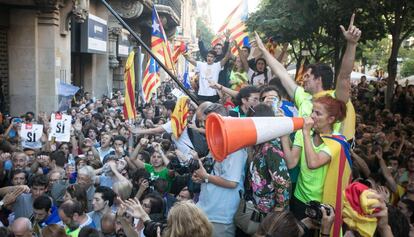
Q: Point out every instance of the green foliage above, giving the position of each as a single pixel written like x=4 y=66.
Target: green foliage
x=375 y=52
x=206 y=33
x=313 y=25
x=407 y=68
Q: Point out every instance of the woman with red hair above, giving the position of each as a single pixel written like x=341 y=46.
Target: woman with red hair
x=316 y=147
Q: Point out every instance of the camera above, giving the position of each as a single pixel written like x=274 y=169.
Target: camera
x=150 y=229
x=313 y=210
x=191 y=166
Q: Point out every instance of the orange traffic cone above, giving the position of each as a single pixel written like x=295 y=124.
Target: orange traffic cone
x=226 y=135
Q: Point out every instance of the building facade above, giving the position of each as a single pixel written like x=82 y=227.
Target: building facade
x=47 y=42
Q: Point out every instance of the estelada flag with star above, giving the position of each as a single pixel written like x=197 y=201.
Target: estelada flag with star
x=161 y=49
x=179 y=116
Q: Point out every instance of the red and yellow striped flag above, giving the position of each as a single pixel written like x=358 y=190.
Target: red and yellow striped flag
x=219 y=37
x=179 y=50
x=179 y=116
x=129 y=80
x=234 y=23
x=301 y=71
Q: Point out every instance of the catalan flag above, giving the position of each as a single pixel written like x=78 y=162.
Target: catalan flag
x=301 y=71
x=271 y=46
x=161 y=49
x=179 y=116
x=129 y=80
x=337 y=178
x=234 y=23
x=357 y=208
x=178 y=50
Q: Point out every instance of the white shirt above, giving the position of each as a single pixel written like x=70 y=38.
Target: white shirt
x=103 y=153
x=207 y=73
x=259 y=80
x=183 y=143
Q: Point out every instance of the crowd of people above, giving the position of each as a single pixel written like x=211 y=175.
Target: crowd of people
x=121 y=177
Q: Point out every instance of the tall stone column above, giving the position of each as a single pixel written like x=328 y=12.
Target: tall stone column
x=49 y=61
x=23 y=52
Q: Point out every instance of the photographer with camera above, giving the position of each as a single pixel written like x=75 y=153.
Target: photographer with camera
x=219 y=196
x=284 y=223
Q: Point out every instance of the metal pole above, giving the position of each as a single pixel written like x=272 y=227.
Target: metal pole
x=126 y=26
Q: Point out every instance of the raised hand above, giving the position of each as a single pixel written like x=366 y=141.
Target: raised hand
x=143 y=142
x=144 y=185
x=10 y=198
x=259 y=43
x=383 y=191
x=5 y=156
x=77 y=125
x=382 y=213
x=227 y=34
x=352 y=34
x=135 y=209
x=156 y=146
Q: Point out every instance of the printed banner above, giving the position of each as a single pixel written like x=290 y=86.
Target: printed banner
x=60 y=125
x=31 y=135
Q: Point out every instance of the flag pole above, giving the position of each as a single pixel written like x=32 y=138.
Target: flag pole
x=126 y=26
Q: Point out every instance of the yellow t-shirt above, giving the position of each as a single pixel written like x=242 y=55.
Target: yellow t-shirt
x=303 y=102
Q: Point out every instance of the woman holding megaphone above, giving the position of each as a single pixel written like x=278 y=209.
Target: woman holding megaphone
x=322 y=156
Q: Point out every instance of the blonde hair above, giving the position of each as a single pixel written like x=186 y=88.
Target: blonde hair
x=123 y=189
x=186 y=219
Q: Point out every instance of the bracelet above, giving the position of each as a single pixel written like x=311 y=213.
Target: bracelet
x=325 y=235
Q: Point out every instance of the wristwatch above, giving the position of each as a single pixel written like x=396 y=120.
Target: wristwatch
x=206 y=178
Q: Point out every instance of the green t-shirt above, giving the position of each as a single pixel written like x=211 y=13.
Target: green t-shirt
x=74 y=233
x=303 y=102
x=311 y=181
x=163 y=174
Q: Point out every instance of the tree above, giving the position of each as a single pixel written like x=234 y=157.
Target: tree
x=375 y=52
x=313 y=25
x=206 y=33
x=407 y=68
x=398 y=17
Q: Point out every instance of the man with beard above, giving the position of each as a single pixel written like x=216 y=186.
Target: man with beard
x=69 y=213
